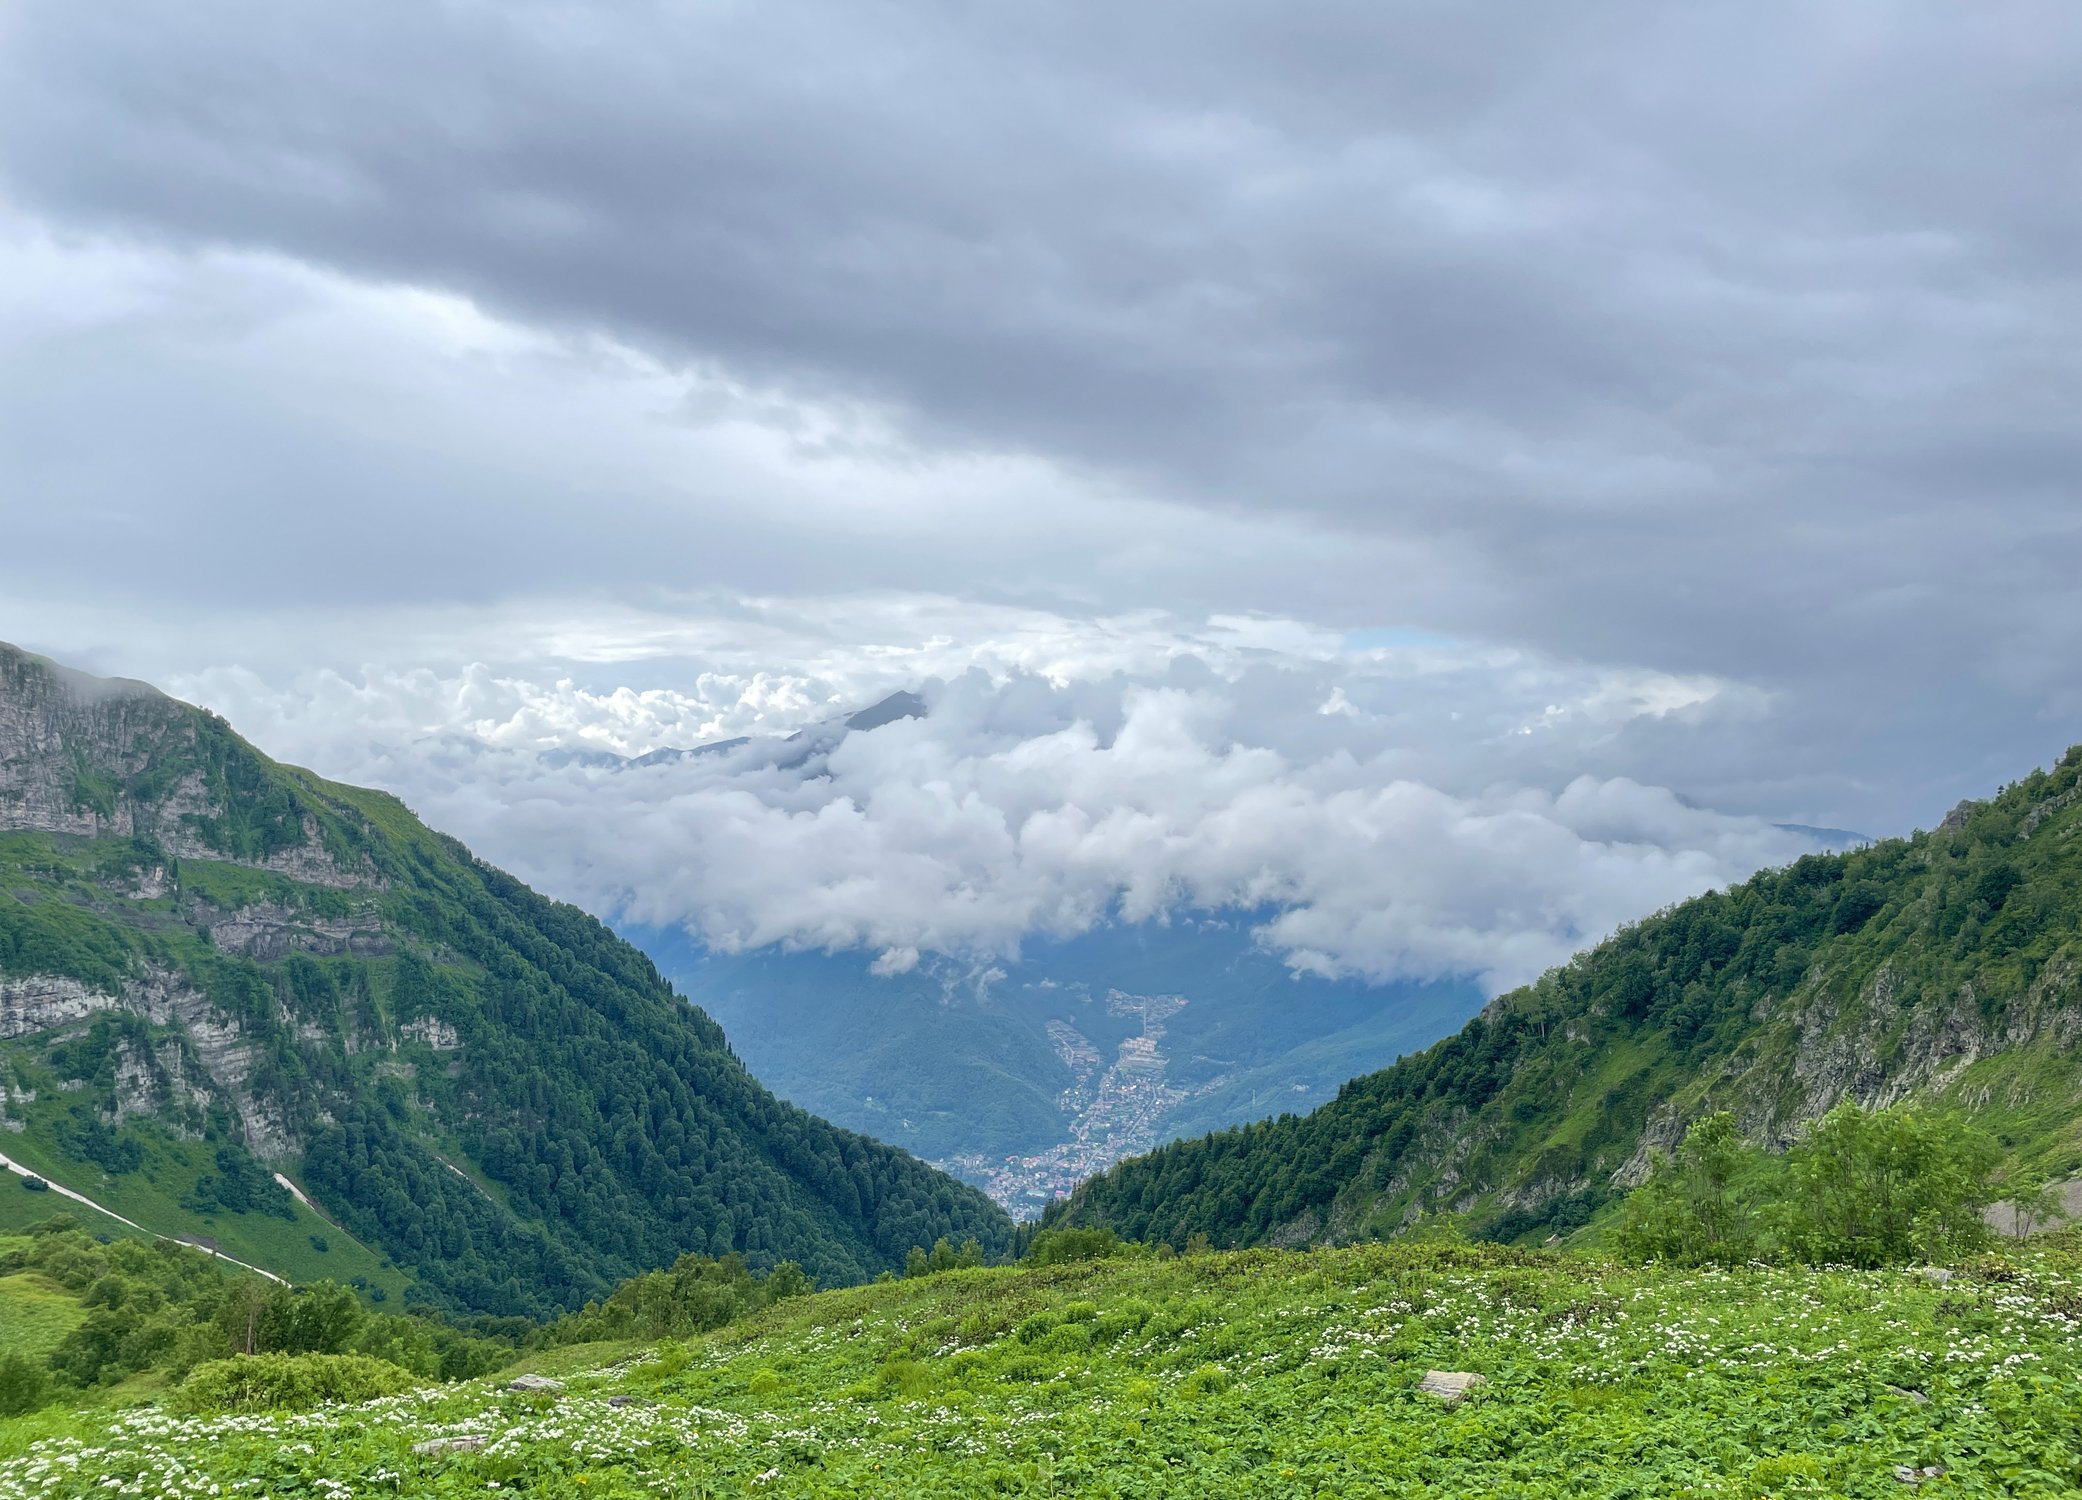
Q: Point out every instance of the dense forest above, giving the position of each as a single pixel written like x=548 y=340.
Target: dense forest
x=214 y=968
x=1942 y=965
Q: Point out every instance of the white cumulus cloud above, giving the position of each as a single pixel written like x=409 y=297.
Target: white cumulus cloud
x=1421 y=830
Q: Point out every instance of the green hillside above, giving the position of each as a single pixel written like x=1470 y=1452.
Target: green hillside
x=89 y=1320
x=1941 y=967
x=1254 y=1373
x=214 y=969
x=35 y=1312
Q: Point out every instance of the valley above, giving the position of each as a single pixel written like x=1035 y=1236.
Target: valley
x=1024 y=1074
x=1116 y=1108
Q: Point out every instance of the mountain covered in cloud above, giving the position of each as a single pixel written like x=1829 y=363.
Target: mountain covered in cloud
x=1027 y=1068
x=1028 y=1071
x=788 y=751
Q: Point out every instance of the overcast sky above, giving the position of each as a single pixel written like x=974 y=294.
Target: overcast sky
x=1374 y=459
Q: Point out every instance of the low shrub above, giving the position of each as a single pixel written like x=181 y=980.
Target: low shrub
x=287 y=1382
x=24 y=1385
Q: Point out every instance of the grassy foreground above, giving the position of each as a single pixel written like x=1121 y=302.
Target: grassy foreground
x=1256 y=1373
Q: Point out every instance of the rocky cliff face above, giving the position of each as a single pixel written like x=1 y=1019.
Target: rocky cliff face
x=87 y=758
x=46 y=1002
x=82 y=758
x=193 y=1056
x=65 y=738
x=1889 y=1042
x=1863 y=1051
x=94 y=757
x=268 y=930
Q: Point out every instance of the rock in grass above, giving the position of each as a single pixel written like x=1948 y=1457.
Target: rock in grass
x=534 y=1383
x=1908 y=1475
x=462 y=1442
x=1448 y=1385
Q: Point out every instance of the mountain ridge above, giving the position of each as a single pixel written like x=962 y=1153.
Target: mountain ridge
x=1946 y=966
x=812 y=739
x=214 y=967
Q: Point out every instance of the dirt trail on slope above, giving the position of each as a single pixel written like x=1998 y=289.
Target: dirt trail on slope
x=65 y=1192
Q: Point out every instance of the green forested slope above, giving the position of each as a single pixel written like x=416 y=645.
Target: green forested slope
x=213 y=968
x=1942 y=966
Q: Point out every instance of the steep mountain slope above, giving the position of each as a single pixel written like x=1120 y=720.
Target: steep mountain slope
x=1943 y=967
x=214 y=969
x=1027 y=1076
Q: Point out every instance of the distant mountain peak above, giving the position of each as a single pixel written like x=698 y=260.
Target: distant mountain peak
x=818 y=737
x=672 y=754
x=898 y=705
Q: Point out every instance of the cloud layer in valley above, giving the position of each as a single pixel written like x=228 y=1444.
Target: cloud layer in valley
x=1284 y=785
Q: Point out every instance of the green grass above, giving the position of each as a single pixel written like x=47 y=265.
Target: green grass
x=232 y=886
x=34 y=1313
x=19 y=1208
x=1256 y=1373
x=151 y=1197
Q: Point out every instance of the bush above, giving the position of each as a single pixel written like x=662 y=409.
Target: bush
x=695 y=1294
x=287 y=1382
x=1069 y=1338
x=1881 y=1188
x=943 y=1257
x=1687 y=1212
x=1862 y=1188
x=23 y=1385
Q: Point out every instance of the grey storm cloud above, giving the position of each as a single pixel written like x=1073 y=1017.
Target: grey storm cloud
x=1611 y=283
x=1737 y=340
